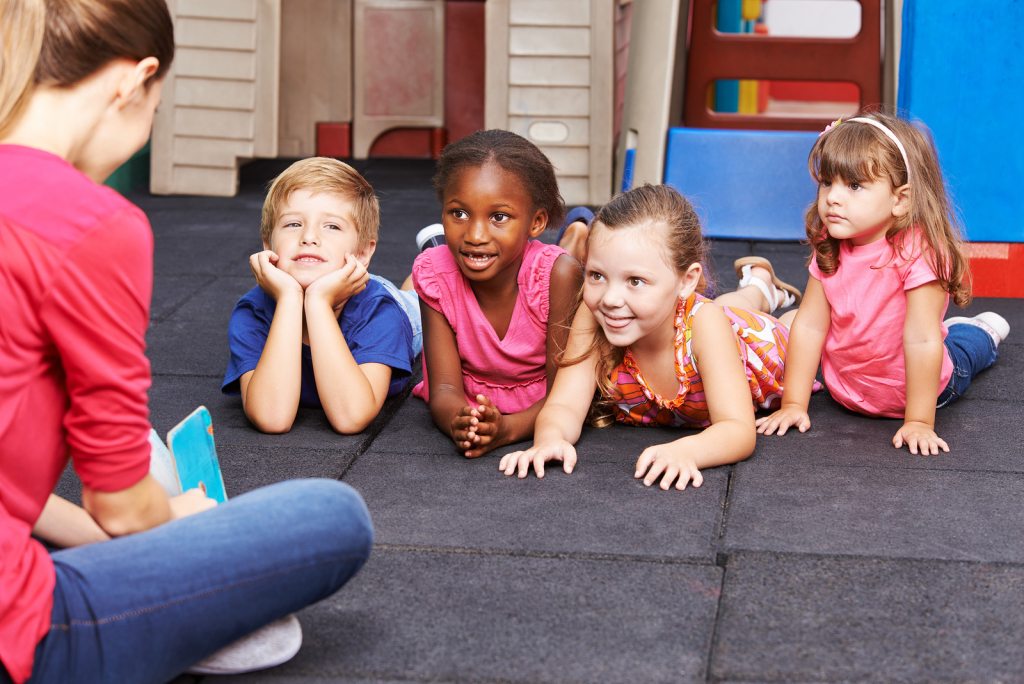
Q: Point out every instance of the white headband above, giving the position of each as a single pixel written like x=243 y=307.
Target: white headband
x=882 y=127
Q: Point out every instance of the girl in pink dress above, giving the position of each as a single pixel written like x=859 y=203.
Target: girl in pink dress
x=659 y=352
x=887 y=260
x=496 y=304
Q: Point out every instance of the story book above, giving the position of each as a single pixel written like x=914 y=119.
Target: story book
x=189 y=459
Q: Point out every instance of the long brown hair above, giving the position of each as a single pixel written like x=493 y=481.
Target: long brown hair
x=684 y=245
x=859 y=152
x=61 y=42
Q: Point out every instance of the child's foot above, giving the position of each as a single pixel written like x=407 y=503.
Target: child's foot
x=989 y=321
x=430 y=236
x=757 y=271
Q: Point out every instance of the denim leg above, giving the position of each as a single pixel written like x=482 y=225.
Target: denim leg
x=972 y=350
x=410 y=303
x=145 y=607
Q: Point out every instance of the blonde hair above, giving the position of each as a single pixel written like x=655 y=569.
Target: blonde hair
x=22 y=25
x=856 y=152
x=323 y=174
x=61 y=42
x=684 y=245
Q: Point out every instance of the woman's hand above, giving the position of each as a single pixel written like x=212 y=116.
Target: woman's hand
x=189 y=503
x=669 y=463
x=783 y=419
x=538 y=455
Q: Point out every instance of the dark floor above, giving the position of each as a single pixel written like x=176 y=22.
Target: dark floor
x=827 y=556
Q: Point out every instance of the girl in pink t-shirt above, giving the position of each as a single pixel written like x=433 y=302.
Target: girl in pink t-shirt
x=887 y=259
x=496 y=304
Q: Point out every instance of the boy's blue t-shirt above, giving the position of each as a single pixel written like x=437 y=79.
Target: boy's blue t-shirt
x=375 y=327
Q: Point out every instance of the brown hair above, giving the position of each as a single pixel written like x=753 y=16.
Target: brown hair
x=323 y=174
x=61 y=42
x=858 y=152
x=651 y=206
x=514 y=154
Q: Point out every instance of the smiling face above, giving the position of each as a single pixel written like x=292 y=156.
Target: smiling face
x=630 y=286
x=313 y=233
x=488 y=219
x=861 y=212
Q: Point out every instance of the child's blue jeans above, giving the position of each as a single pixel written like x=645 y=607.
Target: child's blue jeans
x=145 y=607
x=972 y=351
x=410 y=303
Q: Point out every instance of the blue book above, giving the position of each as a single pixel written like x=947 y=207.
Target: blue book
x=190 y=458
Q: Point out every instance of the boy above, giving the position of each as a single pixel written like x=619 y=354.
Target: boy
x=318 y=330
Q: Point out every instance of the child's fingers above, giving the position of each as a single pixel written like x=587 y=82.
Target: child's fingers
x=643 y=463
x=671 y=473
x=655 y=471
x=538 y=465
x=569 y=461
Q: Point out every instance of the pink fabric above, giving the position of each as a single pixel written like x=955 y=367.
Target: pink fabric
x=862 y=360
x=510 y=371
x=76 y=264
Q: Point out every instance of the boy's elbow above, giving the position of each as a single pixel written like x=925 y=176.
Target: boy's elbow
x=271 y=425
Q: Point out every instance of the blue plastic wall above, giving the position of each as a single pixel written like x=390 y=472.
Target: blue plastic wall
x=744 y=184
x=962 y=74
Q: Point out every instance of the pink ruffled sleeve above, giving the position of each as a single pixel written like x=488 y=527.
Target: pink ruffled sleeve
x=424 y=278
x=535 y=286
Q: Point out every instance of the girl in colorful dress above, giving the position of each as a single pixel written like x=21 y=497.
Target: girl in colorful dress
x=887 y=260
x=496 y=303
x=659 y=352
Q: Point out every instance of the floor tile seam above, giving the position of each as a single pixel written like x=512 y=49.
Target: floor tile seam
x=728 y=554
x=210 y=279
x=853 y=466
x=165 y=374
x=548 y=555
x=375 y=429
x=713 y=640
x=349 y=674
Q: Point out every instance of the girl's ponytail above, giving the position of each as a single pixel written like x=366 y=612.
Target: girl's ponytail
x=22 y=25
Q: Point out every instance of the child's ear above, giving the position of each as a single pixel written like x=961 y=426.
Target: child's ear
x=364 y=253
x=540 y=223
x=901 y=207
x=691 y=279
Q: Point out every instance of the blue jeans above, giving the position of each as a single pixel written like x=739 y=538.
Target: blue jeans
x=410 y=303
x=145 y=607
x=972 y=351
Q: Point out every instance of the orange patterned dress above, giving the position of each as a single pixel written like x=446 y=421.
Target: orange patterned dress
x=761 y=343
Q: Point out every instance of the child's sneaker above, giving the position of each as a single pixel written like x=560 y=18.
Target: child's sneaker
x=430 y=236
x=989 y=321
x=267 y=647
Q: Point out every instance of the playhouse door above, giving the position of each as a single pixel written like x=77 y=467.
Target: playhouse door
x=220 y=99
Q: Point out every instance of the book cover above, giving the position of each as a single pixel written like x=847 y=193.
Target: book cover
x=194 y=455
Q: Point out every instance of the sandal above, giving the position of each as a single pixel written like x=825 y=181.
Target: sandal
x=778 y=293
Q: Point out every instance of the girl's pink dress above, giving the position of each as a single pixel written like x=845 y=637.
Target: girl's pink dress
x=510 y=371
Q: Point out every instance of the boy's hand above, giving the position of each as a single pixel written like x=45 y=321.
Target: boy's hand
x=921 y=438
x=270 y=278
x=339 y=286
x=783 y=419
x=670 y=464
x=559 y=450
x=484 y=427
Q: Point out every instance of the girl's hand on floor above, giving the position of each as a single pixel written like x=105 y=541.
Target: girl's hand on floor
x=783 y=419
x=538 y=456
x=662 y=460
x=921 y=438
x=486 y=428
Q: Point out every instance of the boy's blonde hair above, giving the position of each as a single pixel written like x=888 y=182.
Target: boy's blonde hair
x=323 y=174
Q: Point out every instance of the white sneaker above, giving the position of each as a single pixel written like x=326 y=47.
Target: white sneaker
x=989 y=321
x=269 y=646
x=430 y=236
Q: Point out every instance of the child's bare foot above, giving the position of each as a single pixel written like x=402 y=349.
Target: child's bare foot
x=574 y=239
